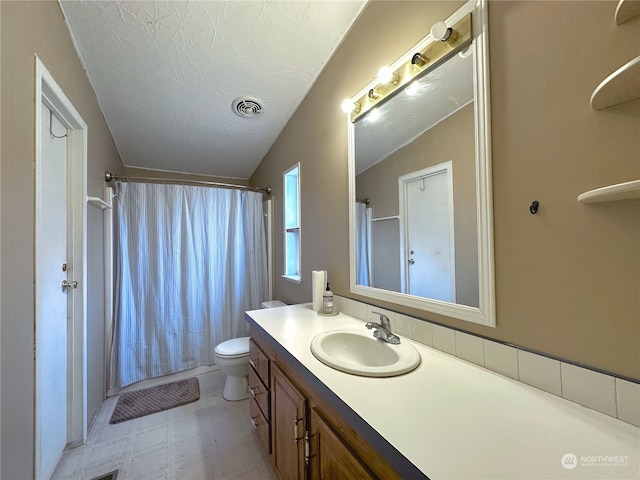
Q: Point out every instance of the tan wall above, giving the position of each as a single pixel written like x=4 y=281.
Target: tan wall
x=568 y=278
x=30 y=28
x=450 y=140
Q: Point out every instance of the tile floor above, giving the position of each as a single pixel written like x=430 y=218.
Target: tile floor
x=207 y=439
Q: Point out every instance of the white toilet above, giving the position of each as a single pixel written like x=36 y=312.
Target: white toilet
x=232 y=357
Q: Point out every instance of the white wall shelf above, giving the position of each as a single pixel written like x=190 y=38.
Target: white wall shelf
x=626 y=10
x=98 y=202
x=619 y=87
x=610 y=193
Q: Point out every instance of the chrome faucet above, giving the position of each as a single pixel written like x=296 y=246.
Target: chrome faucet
x=383 y=330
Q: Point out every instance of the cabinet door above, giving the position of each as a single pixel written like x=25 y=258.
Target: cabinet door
x=288 y=423
x=330 y=458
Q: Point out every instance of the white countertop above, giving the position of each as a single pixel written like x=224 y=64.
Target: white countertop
x=456 y=420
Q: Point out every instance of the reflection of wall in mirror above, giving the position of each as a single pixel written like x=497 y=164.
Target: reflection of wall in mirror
x=451 y=139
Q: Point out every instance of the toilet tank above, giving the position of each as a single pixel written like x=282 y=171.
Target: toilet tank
x=273 y=304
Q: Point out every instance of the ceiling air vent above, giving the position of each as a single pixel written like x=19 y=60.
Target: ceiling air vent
x=247 y=107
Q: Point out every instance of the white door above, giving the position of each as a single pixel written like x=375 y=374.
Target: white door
x=429 y=239
x=52 y=268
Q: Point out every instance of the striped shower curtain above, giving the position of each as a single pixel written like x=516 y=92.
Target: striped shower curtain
x=363 y=245
x=189 y=262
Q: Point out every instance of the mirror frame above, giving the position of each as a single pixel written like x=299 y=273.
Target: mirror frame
x=484 y=314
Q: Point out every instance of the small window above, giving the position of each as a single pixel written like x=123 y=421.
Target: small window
x=292 y=224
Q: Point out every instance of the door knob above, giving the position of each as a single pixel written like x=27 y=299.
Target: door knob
x=411 y=261
x=66 y=284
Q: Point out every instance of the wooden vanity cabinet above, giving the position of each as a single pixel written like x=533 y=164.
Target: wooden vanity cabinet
x=309 y=439
x=259 y=388
x=289 y=426
x=330 y=458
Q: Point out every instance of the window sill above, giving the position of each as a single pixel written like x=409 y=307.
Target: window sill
x=293 y=278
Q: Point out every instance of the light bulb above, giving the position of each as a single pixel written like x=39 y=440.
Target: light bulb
x=385 y=75
x=440 y=31
x=348 y=105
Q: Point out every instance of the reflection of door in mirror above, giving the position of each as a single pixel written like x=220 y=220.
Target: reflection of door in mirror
x=452 y=138
x=427 y=234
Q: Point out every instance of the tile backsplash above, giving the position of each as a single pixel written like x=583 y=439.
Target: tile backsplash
x=501 y=358
x=541 y=372
x=591 y=389
x=608 y=394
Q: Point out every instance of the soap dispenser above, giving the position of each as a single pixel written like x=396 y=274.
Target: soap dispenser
x=327 y=301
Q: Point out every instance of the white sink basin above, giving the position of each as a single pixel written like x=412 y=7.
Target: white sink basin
x=361 y=354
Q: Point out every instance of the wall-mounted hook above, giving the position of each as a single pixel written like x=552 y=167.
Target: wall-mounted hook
x=533 y=208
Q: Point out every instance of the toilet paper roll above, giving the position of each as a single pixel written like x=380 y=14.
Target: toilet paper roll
x=318 y=284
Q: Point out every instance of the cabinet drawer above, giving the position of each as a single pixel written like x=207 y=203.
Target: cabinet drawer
x=259 y=393
x=261 y=424
x=259 y=362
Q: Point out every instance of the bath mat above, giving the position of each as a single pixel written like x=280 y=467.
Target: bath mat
x=155 y=399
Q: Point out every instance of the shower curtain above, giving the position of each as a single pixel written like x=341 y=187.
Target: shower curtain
x=189 y=262
x=363 y=248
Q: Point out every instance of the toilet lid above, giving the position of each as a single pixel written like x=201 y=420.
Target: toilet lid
x=233 y=347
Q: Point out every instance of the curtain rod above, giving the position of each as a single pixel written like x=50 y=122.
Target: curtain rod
x=110 y=176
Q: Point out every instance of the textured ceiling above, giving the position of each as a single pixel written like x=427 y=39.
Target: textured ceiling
x=166 y=74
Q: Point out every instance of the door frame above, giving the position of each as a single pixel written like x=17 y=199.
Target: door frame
x=447 y=168
x=47 y=91
x=267 y=208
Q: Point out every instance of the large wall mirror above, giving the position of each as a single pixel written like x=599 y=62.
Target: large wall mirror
x=421 y=229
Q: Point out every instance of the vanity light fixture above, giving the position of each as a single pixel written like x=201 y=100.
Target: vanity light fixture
x=386 y=75
x=443 y=42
